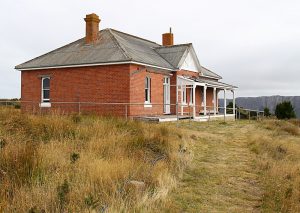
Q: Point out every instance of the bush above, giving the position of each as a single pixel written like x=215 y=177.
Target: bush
x=285 y=110
x=229 y=107
x=267 y=112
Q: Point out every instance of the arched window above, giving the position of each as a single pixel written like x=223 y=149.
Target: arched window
x=45 y=89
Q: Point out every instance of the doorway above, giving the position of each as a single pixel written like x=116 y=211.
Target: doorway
x=166 y=95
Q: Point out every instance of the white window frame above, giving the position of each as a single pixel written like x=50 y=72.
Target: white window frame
x=148 y=93
x=45 y=100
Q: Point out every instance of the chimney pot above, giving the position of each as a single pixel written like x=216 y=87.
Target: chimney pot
x=168 y=38
x=92 y=28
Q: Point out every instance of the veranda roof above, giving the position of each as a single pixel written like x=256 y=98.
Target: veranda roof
x=186 y=80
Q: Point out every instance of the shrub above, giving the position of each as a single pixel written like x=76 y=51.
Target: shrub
x=74 y=157
x=267 y=112
x=285 y=110
x=229 y=107
x=62 y=194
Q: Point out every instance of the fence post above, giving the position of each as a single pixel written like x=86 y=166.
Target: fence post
x=257 y=115
x=79 y=108
x=249 y=115
x=224 y=115
x=177 y=114
x=208 y=116
x=189 y=114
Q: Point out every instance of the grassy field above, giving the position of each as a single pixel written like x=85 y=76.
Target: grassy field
x=240 y=167
x=86 y=164
x=91 y=164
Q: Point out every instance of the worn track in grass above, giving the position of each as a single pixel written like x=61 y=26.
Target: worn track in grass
x=222 y=176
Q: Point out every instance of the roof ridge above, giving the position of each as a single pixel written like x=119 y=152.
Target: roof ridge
x=134 y=36
x=176 y=45
x=165 y=59
x=115 y=40
x=119 y=43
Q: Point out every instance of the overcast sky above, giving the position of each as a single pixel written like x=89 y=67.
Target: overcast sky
x=254 y=44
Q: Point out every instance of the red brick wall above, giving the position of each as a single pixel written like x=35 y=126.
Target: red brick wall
x=103 y=84
x=137 y=91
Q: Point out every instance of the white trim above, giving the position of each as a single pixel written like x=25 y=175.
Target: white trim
x=194 y=100
x=147 y=105
x=190 y=62
x=45 y=104
x=190 y=51
x=166 y=94
x=192 y=95
x=184 y=95
x=207 y=76
x=215 y=100
x=96 y=64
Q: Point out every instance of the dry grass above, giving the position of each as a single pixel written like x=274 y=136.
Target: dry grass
x=281 y=126
x=241 y=167
x=278 y=159
x=92 y=164
x=222 y=175
x=86 y=164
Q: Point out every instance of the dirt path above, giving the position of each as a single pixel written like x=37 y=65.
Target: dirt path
x=222 y=177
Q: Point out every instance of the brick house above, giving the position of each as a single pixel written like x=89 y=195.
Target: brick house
x=111 y=72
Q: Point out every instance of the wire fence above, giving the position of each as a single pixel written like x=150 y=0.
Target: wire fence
x=142 y=111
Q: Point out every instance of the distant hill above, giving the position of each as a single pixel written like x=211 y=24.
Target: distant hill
x=266 y=101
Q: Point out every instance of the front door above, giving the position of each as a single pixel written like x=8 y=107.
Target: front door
x=167 y=95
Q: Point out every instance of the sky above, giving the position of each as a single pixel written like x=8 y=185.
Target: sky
x=252 y=44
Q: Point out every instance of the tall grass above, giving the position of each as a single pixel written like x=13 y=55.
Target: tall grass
x=58 y=163
x=278 y=152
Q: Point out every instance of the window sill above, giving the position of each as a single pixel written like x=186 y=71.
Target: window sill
x=147 y=105
x=45 y=104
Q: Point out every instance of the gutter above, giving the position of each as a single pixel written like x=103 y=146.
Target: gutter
x=92 y=65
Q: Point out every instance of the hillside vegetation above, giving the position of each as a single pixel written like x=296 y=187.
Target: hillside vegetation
x=85 y=164
x=77 y=163
x=277 y=147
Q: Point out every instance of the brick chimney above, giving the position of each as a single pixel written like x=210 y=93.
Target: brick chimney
x=168 y=38
x=92 y=28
